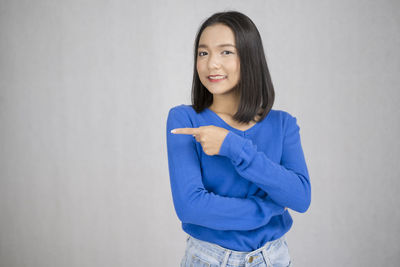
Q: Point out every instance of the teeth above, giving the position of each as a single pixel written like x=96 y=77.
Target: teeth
x=217 y=77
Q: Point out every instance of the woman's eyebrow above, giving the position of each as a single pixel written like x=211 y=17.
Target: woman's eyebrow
x=221 y=45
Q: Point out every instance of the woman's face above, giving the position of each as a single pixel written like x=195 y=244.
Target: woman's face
x=217 y=55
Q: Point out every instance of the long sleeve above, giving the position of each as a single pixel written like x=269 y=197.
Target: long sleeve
x=193 y=203
x=286 y=183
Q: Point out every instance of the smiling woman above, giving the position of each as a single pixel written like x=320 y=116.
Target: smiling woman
x=236 y=165
x=228 y=44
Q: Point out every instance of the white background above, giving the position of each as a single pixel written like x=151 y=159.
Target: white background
x=85 y=89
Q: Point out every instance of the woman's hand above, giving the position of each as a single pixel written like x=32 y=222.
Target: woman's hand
x=210 y=137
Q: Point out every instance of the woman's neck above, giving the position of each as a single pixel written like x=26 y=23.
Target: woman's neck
x=225 y=104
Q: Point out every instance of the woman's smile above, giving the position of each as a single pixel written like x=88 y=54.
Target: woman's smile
x=215 y=79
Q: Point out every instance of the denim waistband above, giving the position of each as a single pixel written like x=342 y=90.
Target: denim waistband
x=233 y=257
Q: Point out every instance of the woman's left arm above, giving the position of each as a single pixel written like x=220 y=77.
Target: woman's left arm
x=287 y=183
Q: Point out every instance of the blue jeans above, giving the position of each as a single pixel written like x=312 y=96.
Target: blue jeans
x=200 y=253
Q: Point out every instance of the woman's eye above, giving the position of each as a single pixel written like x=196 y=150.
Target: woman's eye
x=227 y=53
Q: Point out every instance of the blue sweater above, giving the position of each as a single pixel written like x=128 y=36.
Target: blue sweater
x=237 y=199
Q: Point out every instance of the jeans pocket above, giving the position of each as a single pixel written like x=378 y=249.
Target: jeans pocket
x=278 y=254
x=196 y=261
x=197 y=258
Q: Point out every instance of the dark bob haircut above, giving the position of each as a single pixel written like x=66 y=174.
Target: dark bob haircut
x=254 y=86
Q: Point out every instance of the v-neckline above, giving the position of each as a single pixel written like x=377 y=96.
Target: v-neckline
x=229 y=126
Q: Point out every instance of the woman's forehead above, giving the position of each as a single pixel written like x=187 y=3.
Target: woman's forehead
x=217 y=35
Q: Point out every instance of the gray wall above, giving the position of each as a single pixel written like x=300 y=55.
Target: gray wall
x=85 y=88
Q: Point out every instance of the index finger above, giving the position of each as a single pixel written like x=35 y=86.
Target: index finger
x=185 y=131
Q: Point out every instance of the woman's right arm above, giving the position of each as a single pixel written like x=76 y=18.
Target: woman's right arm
x=193 y=203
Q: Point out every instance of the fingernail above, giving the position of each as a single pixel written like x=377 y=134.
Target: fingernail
x=173 y=131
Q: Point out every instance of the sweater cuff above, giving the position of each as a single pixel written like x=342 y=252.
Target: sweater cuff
x=232 y=146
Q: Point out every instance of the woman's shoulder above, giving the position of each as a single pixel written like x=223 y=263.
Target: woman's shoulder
x=286 y=119
x=282 y=114
x=279 y=115
x=183 y=108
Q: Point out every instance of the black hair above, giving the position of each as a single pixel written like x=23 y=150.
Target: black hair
x=255 y=86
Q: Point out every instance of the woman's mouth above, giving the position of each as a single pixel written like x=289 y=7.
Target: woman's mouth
x=218 y=78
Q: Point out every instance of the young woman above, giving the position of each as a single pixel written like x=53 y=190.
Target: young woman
x=236 y=165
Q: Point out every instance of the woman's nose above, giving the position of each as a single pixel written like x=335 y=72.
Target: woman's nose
x=214 y=62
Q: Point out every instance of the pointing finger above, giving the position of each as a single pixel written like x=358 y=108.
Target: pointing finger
x=191 y=131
